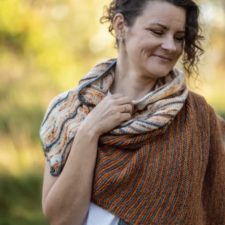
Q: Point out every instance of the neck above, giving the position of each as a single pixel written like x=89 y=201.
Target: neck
x=130 y=82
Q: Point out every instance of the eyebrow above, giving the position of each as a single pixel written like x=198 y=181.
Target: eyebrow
x=165 y=27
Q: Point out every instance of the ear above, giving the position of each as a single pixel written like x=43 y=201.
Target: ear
x=119 y=26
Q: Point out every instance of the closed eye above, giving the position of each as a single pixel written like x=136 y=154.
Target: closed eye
x=179 y=39
x=157 y=32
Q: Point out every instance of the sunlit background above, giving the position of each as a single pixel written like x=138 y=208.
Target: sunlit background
x=45 y=47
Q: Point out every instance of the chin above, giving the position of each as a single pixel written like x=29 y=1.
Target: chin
x=160 y=70
x=159 y=73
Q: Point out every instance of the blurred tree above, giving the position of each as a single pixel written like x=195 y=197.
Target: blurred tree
x=47 y=45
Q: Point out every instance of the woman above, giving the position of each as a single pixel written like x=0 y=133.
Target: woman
x=130 y=144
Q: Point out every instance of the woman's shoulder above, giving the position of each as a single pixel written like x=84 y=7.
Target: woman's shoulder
x=197 y=102
x=204 y=109
x=97 y=71
x=197 y=97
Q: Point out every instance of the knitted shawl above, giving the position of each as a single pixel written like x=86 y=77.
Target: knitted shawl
x=163 y=166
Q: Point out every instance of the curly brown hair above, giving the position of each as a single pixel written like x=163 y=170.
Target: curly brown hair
x=131 y=9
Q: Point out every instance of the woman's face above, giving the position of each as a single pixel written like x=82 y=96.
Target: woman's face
x=154 y=43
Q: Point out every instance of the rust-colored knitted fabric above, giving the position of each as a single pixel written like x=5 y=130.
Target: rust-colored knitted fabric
x=67 y=110
x=167 y=173
x=176 y=176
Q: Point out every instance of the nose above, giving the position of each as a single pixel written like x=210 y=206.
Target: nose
x=169 y=44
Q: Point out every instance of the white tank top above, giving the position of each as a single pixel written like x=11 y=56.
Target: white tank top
x=99 y=216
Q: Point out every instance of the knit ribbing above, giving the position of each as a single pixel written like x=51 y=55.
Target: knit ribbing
x=152 y=112
x=172 y=173
x=161 y=182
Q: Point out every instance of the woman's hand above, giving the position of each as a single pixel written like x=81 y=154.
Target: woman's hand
x=109 y=113
x=79 y=169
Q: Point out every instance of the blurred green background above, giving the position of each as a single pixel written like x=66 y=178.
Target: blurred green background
x=45 y=47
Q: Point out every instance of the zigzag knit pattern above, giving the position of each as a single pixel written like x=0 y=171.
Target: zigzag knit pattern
x=164 y=167
x=65 y=113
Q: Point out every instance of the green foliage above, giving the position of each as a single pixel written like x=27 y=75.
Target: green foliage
x=13 y=122
x=45 y=47
x=21 y=200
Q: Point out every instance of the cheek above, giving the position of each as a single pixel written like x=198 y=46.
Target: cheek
x=180 y=49
x=147 y=48
x=140 y=49
x=178 y=53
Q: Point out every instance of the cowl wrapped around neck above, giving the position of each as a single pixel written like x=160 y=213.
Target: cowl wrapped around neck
x=154 y=111
x=172 y=174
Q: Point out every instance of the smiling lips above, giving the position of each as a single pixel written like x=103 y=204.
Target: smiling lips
x=162 y=57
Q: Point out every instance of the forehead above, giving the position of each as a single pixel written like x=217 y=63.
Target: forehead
x=163 y=12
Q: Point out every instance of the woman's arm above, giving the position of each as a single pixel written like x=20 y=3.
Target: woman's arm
x=214 y=183
x=66 y=199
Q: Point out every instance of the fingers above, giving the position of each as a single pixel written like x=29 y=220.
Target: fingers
x=125 y=117
x=126 y=108
x=110 y=112
x=123 y=103
x=120 y=103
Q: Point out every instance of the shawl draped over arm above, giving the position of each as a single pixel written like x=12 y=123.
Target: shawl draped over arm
x=214 y=182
